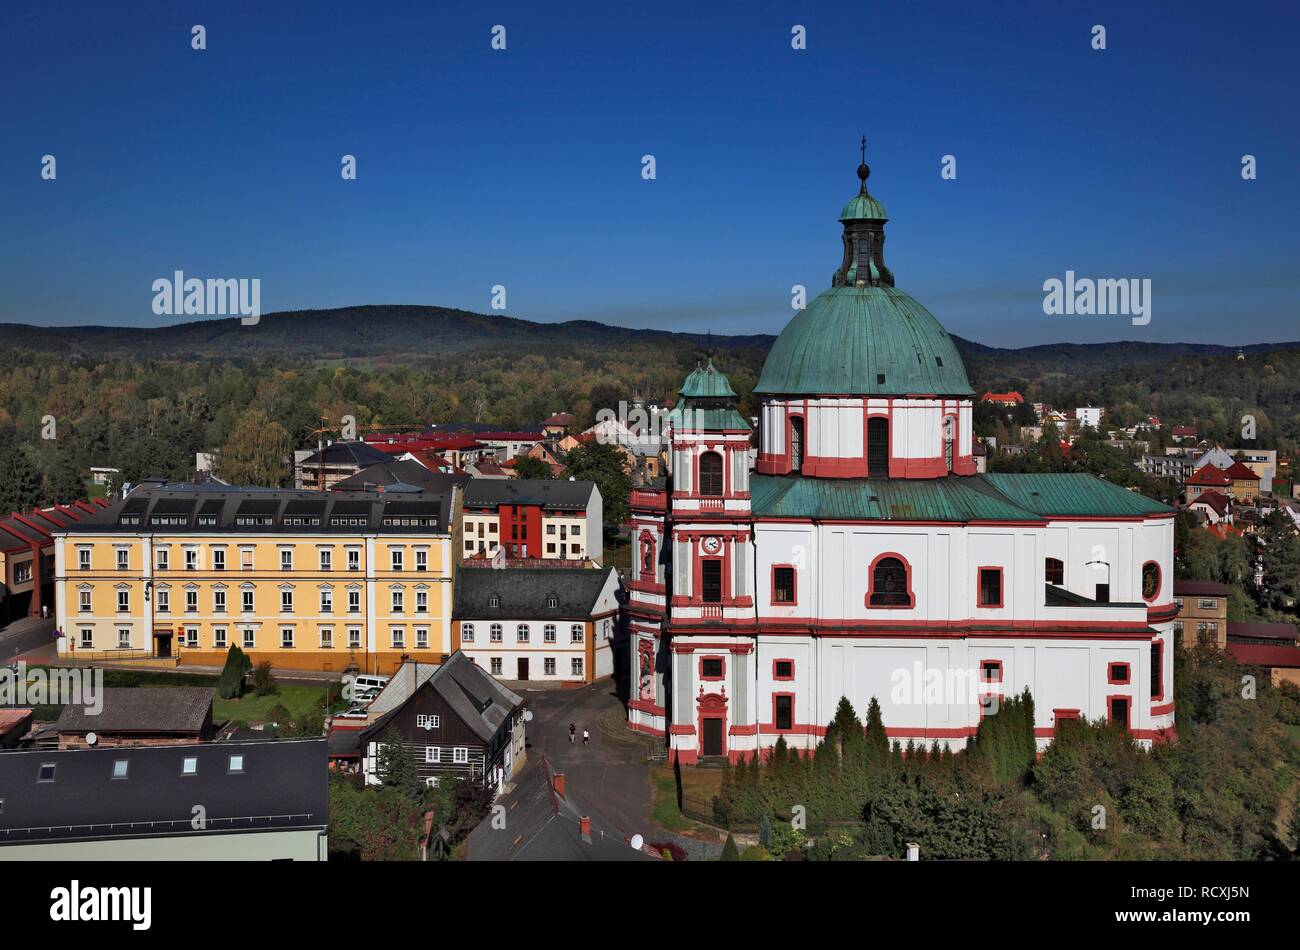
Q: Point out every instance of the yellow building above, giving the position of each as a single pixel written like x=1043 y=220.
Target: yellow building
x=308 y=580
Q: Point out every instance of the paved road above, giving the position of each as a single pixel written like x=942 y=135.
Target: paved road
x=611 y=774
x=25 y=635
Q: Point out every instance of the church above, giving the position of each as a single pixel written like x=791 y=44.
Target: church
x=859 y=553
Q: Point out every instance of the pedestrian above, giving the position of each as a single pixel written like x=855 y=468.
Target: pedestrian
x=586 y=737
x=572 y=730
x=45 y=611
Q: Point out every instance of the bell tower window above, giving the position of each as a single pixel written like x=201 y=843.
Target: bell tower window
x=710 y=474
x=878 y=447
x=711 y=586
x=796 y=445
x=948 y=429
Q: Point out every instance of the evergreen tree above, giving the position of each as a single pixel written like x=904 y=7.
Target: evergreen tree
x=20 y=482
x=877 y=740
x=729 y=850
x=396 y=766
x=230 y=684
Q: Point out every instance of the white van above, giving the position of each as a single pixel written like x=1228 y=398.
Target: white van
x=367 y=686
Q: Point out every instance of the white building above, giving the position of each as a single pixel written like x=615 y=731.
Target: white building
x=865 y=557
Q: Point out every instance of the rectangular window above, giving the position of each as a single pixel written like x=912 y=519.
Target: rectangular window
x=548 y=666
x=422 y=638
x=286 y=638
x=354 y=560
x=250 y=638
x=245 y=559
x=522 y=633
x=421 y=559
x=286 y=559
x=711 y=587
x=1208 y=603
x=192 y=638
x=83 y=601
x=421 y=601
x=460 y=755
x=83 y=558
x=286 y=601
x=991 y=671
x=218 y=559
x=433 y=755
x=784 y=710
x=495 y=665
x=123 y=559
x=354 y=601
x=711 y=668
x=783 y=585
x=398 y=600
x=246 y=598
x=87 y=638
x=326 y=601
x=467 y=633
x=548 y=633
x=783 y=669
x=124 y=639
x=191 y=601
x=1117 y=674
x=124 y=601
x=990 y=587
x=354 y=638
x=219 y=601
x=219 y=637
x=398 y=638
x=575 y=666
x=191 y=559
x=494 y=633
x=397 y=559
x=577 y=633
x=162 y=559
x=326 y=559
x=1157 y=670
x=326 y=638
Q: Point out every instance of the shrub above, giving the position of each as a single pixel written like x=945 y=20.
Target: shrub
x=264 y=680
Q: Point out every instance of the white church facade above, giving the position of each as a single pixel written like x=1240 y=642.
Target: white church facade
x=862 y=556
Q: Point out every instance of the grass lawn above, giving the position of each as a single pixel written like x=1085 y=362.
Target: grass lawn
x=699 y=786
x=299 y=700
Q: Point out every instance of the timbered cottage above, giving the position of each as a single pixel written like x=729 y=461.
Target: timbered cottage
x=454 y=719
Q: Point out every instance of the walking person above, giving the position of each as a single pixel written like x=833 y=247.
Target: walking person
x=572 y=730
x=586 y=737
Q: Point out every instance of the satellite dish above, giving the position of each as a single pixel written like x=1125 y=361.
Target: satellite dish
x=528 y=715
x=637 y=842
x=91 y=738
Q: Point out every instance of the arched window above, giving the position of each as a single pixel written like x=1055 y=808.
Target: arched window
x=949 y=433
x=889 y=587
x=878 y=447
x=647 y=556
x=710 y=474
x=796 y=445
x=1055 y=571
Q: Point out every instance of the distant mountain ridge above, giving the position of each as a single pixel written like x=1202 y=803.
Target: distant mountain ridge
x=402 y=332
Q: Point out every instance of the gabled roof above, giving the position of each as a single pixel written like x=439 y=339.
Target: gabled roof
x=481 y=702
x=1238 y=470
x=522 y=593
x=281 y=785
x=1282 y=632
x=400 y=472
x=1216 y=500
x=542 y=825
x=1209 y=475
x=1257 y=654
x=1200 y=589
x=151 y=709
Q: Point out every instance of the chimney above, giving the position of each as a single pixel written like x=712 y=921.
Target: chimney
x=559 y=784
x=584 y=825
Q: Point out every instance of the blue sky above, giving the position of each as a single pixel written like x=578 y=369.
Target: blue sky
x=480 y=167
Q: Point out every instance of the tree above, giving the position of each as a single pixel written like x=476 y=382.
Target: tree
x=731 y=853
x=264 y=679
x=528 y=467
x=230 y=684
x=256 y=453
x=20 y=482
x=63 y=481
x=603 y=464
x=396 y=766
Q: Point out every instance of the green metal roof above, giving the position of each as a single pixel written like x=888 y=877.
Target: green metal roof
x=1072 y=493
x=850 y=337
x=707 y=383
x=1009 y=497
x=710 y=419
x=863 y=207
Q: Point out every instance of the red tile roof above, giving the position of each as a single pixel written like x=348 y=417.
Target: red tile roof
x=1216 y=500
x=1255 y=654
x=1209 y=475
x=1239 y=470
x=1200 y=588
x=1263 y=631
x=1012 y=397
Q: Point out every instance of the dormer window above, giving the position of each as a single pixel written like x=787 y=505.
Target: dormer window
x=494 y=601
x=552 y=601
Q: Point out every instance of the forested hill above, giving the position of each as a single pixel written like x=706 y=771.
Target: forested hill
x=400 y=333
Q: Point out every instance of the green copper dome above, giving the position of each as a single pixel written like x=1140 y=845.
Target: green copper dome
x=863 y=207
x=864 y=340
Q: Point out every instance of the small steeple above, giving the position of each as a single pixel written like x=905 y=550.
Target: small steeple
x=864 y=236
